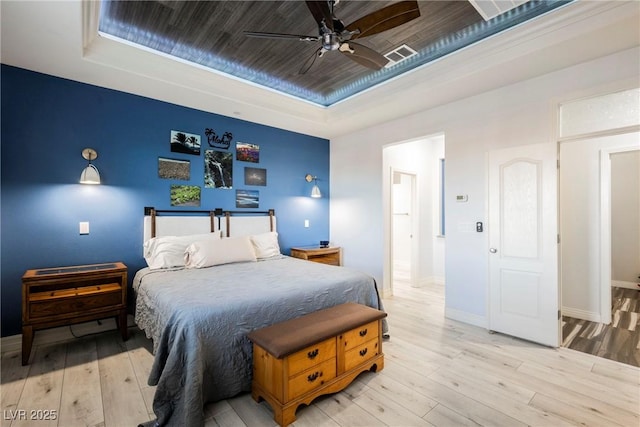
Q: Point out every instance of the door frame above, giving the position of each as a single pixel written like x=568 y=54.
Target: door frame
x=605 y=229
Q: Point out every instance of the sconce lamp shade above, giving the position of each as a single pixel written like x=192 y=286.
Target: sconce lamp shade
x=315 y=191
x=90 y=174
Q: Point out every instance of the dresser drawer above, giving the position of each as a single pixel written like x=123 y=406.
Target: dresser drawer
x=311 y=356
x=74 y=305
x=311 y=378
x=357 y=336
x=360 y=354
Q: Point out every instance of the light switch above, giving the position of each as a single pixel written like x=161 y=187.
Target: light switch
x=84 y=227
x=306 y=223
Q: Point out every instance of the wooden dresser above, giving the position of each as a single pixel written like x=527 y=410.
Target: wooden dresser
x=330 y=255
x=66 y=295
x=320 y=353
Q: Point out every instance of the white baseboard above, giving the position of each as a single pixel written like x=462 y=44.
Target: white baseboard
x=464 y=317
x=627 y=285
x=576 y=313
x=62 y=333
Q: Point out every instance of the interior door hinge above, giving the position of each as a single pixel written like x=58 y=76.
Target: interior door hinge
x=558 y=239
x=558 y=163
x=559 y=315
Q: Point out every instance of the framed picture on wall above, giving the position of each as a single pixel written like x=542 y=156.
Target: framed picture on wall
x=247 y=199
x=186 y=143
x=247 y=152
x=218 y=169
x=255 y=176
x=185 y=195
x=174 y=169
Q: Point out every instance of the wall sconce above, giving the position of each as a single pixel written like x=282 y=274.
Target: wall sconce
x=315 y=191
x=90 y=174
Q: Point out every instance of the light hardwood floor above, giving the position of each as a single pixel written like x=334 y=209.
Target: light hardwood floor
x=437 y=372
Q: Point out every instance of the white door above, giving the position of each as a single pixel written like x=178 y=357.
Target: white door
x=523 y=259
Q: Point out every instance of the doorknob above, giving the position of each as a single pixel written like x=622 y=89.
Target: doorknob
x=493 y=250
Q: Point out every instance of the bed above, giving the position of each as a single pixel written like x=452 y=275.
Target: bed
x=199 y=318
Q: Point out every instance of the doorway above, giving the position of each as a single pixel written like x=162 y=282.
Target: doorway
x=600 y=179
x=414 y=246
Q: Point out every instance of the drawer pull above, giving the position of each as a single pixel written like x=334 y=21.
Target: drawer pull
x=363 y=332
x=311 y=378
x=312 y=354
x=363 y=352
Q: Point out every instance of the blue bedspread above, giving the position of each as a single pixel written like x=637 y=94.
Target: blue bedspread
x=198 y=320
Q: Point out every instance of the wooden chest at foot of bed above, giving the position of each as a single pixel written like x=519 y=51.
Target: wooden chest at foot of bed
x=320 y=353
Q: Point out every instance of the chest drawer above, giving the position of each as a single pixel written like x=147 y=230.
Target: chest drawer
x=360 y=354
x=311 y=378
x=360 y=335
x=311 y=356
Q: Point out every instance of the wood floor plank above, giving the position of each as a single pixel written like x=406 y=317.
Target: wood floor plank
x=43 y=388
x=14 y=376
x=81 y=403
x=443 y=416
x=222 y=414
x=498 y=397
x=464 y=405
x=572 y=413
x=387 y=410
x=343 y=411
x=252 y=413
x=400 y=393
x=121 y=396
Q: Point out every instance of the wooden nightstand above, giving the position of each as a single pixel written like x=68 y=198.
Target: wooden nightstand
x=66 y=295
x=331 y=255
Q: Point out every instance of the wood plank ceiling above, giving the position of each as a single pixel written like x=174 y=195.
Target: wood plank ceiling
x=211 y=33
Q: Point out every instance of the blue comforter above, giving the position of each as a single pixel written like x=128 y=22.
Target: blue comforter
x=199 y=319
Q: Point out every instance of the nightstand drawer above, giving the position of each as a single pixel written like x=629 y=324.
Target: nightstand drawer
x=74 y=305
x=311 y=356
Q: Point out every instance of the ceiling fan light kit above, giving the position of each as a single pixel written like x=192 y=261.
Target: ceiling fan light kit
x=335 y=36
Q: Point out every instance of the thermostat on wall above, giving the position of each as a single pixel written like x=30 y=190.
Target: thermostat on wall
x=462 y=198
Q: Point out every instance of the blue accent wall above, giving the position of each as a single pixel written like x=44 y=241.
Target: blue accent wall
x=47 y=121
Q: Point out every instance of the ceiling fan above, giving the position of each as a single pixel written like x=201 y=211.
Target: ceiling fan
x=334 y=35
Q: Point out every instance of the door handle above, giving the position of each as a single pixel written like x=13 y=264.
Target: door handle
x=493 y=250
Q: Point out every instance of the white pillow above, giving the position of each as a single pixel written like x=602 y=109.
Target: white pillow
x=168 y=251
x=266 y=245
x=207 y=253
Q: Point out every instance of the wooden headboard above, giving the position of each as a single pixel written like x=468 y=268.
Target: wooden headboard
x=174 y=222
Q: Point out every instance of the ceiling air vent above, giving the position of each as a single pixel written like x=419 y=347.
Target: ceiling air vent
x=399 y=54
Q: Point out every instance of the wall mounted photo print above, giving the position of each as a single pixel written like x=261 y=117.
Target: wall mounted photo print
x=247 y=152
x=255 y=176
x=186 y=143
x=218 y=169
x=174 y=169
x=247 y=199
x=185 y=195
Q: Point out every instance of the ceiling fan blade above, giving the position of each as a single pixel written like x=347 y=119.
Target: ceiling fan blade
x=363 y=55
x=385 y=19
x=281 y=36
x=321 y=11
x=310 y=61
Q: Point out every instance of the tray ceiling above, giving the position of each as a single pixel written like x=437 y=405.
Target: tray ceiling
x=210 y=34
